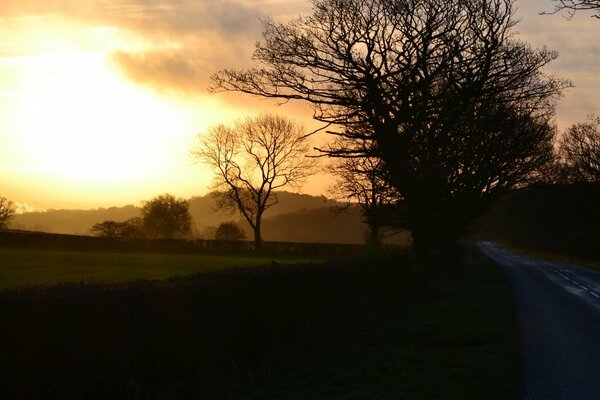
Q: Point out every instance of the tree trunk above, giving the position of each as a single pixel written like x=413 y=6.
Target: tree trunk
x=257 y=238
x=374 y=239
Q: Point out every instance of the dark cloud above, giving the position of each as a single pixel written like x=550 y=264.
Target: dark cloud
x=208 y=35
x=164 y=71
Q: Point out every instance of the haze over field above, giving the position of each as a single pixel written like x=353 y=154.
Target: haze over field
x=100 y=101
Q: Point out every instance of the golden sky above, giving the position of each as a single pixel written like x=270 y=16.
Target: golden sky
x=101 y=100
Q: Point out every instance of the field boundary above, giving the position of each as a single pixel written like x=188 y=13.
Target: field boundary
x=54 y=241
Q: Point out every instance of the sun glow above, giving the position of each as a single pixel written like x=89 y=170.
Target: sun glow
x=70 y=118
x=83 y=123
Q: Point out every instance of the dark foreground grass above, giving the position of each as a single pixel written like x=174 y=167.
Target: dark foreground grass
x=23 y=267
x=366 y=329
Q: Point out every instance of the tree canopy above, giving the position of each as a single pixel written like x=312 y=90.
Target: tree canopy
x=167 y=217
x=457 y=109
x=580 y=151
x=229 y=231
x=132 y=228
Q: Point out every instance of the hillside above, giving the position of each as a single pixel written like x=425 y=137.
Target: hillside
x=322 y=225
x=296 y=218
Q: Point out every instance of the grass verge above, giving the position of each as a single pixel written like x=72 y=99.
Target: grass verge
x=554 y=257
x=385 y=328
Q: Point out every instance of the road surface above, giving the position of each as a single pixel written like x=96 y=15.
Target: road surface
x=558 y=326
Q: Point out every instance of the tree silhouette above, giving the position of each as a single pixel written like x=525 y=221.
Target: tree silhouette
x=229 y=231
x=130 y=229
x=580 y=151
x=571 y=6
x=167 y=217
x=7 y=210
x=252 y=158
x=457 y=109
x=361 y=179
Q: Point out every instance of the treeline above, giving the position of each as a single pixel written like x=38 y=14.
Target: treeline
x=49 y=241
x=562 y=219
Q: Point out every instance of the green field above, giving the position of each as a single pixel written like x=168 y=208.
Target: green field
x=20 y=267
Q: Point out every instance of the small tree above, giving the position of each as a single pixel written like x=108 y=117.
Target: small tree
x=229 y=231
x=167 y=217
x=252 y=158
x=107 y=229
x=130 y=229
x=580 y=151
x=7 y=210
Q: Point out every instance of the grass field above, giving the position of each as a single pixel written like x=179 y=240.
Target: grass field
x=371 y=328
x=20 y=267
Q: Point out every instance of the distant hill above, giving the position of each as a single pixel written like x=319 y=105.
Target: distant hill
x=322 y=225
x=205 y=212
x=296 y=218
x=76 y=222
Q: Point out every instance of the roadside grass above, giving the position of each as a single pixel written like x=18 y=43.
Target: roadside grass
x=24 y=267
x=370 y=328
x=554 y=257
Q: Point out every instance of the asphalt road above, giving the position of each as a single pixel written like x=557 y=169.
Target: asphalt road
x=558 y=326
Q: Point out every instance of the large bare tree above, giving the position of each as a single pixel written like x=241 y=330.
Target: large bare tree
x=580 y=151
x=252 y=158
x=458 y=110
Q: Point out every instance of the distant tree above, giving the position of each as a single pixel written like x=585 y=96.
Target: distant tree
x=458 y=109
x=107 y=229
x=130 y=229
x=571 y=6
x=167 y=217
x=133 y=228
x=7 y=210
x=229 y=231
x=362 y=180
x=252 y=158
x=579 y=149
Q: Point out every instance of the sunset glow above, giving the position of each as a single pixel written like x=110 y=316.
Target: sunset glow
x=100 y=102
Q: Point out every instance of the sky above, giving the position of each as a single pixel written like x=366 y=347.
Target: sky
x=101 y=101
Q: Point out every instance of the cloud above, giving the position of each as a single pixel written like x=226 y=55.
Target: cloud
x=22 y=208
x=175 y=70
x=179 y=17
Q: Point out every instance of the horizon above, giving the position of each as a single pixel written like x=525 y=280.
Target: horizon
x=101 y=103
x=25 y=208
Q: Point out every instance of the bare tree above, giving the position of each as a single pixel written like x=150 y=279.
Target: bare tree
x=580 y=151
x=571 y=6
x=252 y=158
x=7 y=210
x=457 y=109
